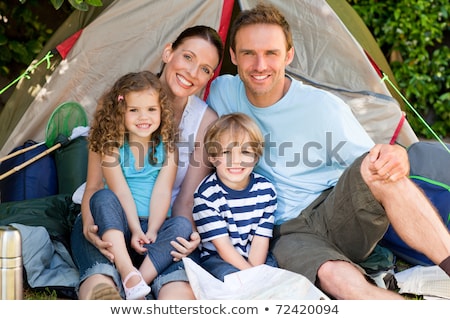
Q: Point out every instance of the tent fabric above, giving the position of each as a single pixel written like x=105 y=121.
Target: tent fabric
x=362 y=34
x=27 y=89
x=127 y=36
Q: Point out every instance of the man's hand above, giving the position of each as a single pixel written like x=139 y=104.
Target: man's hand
x=388 y=163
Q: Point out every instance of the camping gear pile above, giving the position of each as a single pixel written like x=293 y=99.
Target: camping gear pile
x=334 y=51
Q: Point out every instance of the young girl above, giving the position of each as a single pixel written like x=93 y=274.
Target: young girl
x=133 y=132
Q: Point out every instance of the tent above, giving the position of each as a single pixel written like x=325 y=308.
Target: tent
x=337 y=54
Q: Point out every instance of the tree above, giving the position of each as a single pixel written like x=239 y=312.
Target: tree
x=26 y=26
x=415 y=38
x=24 y=29
x=76 y=4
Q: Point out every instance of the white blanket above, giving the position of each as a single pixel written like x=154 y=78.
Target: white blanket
x=261 y=282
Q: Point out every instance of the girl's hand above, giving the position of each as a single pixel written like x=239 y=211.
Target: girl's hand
x=138 y=239
x=184 y=247
x=151 y=236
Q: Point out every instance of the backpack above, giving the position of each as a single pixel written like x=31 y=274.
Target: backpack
x=430 y=171
x=71 y=165
x=37 y=180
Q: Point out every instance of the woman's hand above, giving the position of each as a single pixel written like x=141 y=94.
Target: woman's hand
x=91 y=234
x=184 y=247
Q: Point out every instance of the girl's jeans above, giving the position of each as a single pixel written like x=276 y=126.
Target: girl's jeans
x=108 y=213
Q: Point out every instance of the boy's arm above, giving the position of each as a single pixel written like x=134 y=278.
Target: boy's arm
x=229 y=253
x=209 y=221
x=259 y=247
x=258 y=250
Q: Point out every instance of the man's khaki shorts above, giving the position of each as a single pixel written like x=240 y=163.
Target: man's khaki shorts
x=343 y=223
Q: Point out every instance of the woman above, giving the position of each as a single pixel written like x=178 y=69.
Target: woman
x=188 y=65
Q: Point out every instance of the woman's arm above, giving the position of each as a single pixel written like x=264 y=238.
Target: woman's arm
x=199 y=168
x=94 y=182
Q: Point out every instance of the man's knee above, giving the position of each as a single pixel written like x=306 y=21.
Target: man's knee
x=335 y=274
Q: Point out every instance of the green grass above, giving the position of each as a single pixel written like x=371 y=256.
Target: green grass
x=45 y=294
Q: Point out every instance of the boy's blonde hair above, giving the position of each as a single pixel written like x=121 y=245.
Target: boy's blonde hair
x=236 y=126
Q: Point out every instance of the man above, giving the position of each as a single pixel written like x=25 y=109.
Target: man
x=337 y=190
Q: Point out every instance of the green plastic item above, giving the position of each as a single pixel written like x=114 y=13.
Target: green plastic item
x=63 y=120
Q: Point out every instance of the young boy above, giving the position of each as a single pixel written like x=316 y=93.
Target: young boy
x=234 y=207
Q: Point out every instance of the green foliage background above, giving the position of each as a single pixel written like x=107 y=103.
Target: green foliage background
x=413 y=34
x=415 y=37
x=26 y=25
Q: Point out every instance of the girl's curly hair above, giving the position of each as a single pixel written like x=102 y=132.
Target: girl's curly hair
x=108 y=127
